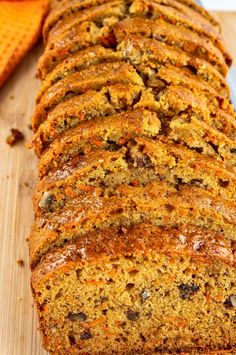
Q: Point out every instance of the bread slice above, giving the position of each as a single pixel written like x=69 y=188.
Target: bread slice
x=66 y=8
x=98 y=54
x=94 y=25
x=90 y=29
x=148 y=51
x=208 y=16
x=206 y=137
x=185 y=76
x=124 y=290
x=99 y=133
x=185 y=116
x=108 y=101
x=185 y=39
x=171 y=8
x=155 y=75
x=188 y=12
x=97 y=13
x=179 y=56
x=160 y=203
x=76 y=62
x=94 y=77
x=88 y=36
x=137 y=163
x=171 y=14
x=222 y=115
x=203 y=138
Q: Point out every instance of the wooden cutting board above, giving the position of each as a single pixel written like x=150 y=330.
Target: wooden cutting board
x=18 y=324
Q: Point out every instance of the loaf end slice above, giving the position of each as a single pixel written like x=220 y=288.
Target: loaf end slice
x=123 y=290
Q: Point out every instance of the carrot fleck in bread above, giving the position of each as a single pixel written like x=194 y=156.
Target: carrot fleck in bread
x=133 y=245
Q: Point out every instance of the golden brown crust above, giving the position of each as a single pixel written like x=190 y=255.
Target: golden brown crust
x=68 y=27
x=169 y=102
x=223 y=116
x=142 y=238
x=87 y=33
x=171 y=8
x=159 y=202
x=188 y=11
x=184 y=77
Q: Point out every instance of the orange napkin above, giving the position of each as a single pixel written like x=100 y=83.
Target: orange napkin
x=20 y=27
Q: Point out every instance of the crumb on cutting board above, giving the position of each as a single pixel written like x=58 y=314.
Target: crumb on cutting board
x=20 y=262
x=15 y=137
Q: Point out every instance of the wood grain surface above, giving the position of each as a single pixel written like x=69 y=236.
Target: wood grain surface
x=18 y=324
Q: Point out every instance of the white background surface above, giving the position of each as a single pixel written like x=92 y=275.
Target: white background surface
x=220 y=5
